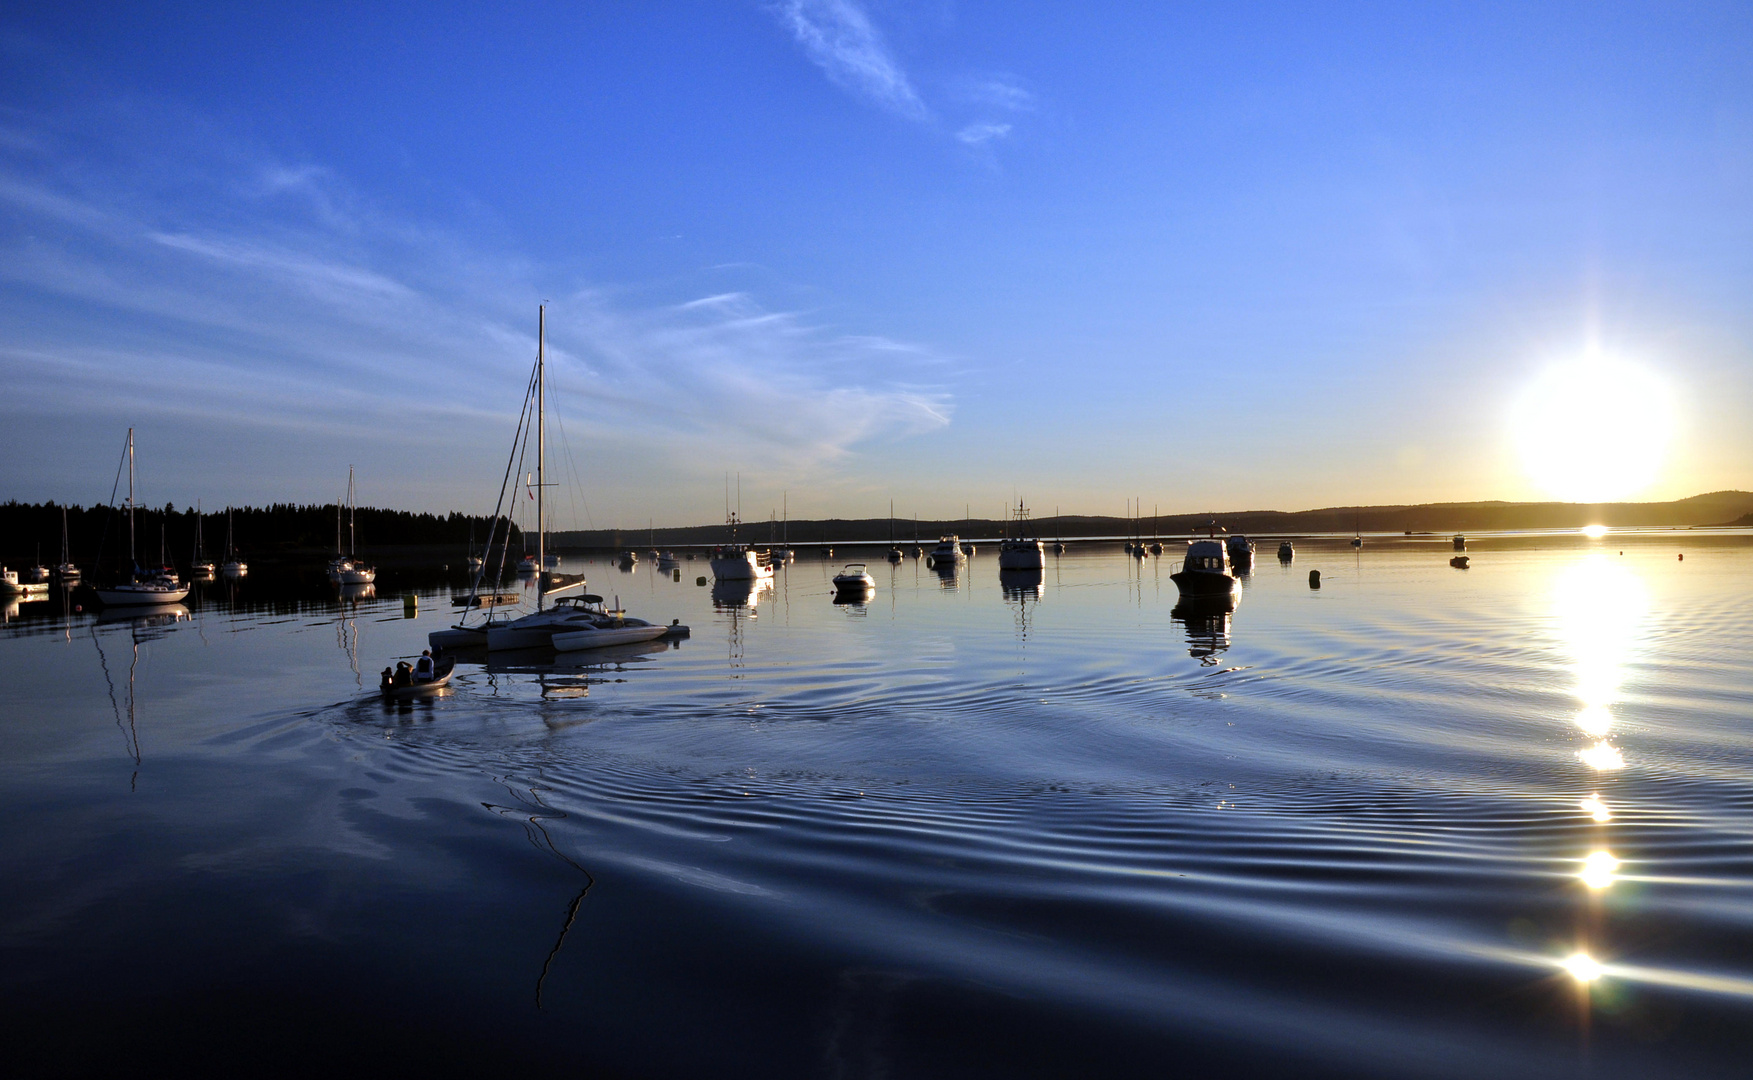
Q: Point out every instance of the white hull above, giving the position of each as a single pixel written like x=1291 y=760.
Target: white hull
x=601 y=637
x=137 y=595
x=740 y=569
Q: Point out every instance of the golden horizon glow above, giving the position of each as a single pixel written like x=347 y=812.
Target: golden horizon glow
x=1594 y=429
x=1594 y=532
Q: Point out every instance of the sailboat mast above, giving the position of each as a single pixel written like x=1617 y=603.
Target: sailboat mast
x=541 y=449
x=131 y=557
x=352 y=536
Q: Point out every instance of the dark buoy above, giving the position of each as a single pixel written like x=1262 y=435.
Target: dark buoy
x=1682 y=558
x=1314 y=579
x=699 y=581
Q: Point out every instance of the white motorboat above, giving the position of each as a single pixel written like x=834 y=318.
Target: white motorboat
x=1240 y=548
x=37 y=574
x=537 y=629
x=854 y=579
x=141 y=588
x=1460 y=542
x=739 y=562
x=1286 y=552
x=10 y=585
x=1205 y=571
x=610 y=628
x=948 y=549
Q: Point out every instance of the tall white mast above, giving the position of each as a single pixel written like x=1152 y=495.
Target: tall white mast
x=131 y=558
x=351 y=535
x=541 y=447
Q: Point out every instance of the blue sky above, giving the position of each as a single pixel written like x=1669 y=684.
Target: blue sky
x=1210 y=257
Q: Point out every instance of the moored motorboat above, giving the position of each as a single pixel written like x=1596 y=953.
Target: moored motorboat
x=739 y=562
x=1460 y=542
x=1240 y=549
x=948 y=550
x=1021 y=551
x=537 y=629
x=611 y=628
x=1459 y=562
x=854 y=579
x=1205 y=570
x=1286 y=552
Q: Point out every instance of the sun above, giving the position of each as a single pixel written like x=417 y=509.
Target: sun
x=1594 y=429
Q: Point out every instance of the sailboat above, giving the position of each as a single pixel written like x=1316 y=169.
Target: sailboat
x=1357 y=529
x=536 y=630
x=783 y=553
x=139 y=588
x=36 y=573
x=200 y=566
x=234 y=565
x=348 y=569
x=895 y=555
x=65 y=570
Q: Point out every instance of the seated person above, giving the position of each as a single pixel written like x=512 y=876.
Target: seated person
x=423 y=667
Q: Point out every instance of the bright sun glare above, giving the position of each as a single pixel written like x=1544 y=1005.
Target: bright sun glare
x=1594 y=430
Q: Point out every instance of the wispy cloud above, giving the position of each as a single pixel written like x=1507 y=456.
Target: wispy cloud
x=298 y=318
x=839 y=36
x=975 y=134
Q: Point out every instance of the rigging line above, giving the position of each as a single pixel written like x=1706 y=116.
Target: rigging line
x=499 y=506
x=577 y=480
x=110 y=514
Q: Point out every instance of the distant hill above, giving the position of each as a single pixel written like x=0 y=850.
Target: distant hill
x=1744 y=521
x=1713 y=509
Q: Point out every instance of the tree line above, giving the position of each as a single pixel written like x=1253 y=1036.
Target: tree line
x=102 y=531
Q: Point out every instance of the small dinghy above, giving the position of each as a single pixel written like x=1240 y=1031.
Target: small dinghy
x=403 y=682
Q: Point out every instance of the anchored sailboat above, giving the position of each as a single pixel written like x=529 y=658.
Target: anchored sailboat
x=140 y=588
x=348 y=569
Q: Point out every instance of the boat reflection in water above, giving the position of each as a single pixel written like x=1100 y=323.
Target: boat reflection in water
x=854 y=599
x=947 y=571
x=1206 y=620
x=1021 y=584
x=730 y=594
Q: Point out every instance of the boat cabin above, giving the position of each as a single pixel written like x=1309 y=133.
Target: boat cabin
x=1207 y=556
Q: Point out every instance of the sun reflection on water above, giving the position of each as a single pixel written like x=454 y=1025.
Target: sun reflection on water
x=1599 y=869
x=1599 y=606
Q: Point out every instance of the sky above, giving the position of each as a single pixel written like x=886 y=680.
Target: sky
x=1204 y=257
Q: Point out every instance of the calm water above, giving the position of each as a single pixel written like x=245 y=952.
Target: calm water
x=962 y=830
